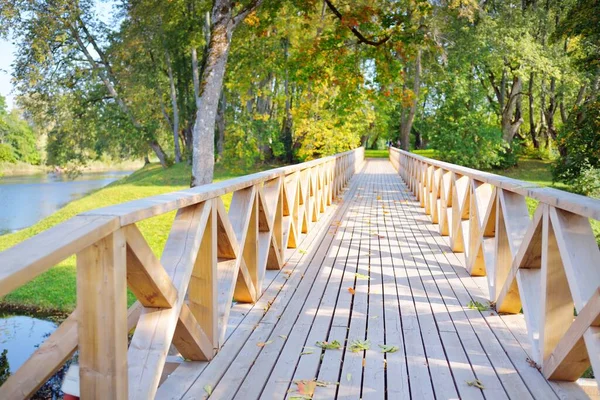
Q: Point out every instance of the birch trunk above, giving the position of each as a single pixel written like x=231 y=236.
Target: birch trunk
x=210 y=88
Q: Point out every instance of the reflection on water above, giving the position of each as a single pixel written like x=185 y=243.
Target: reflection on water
x=24 y=200
x=21 y=335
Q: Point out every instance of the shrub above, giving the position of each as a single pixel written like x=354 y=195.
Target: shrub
x=579 y=143
x=7 y=154
x=470 y=142
x=588 y=182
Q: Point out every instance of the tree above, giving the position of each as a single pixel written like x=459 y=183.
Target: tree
x=61 y=47
x=225 y=19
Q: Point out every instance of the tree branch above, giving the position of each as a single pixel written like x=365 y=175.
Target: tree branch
x=356 y=32
x=254 y=4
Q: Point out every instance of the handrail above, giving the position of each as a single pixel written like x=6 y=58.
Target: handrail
x=575 y=203
x=545 y=266
x=210 y=257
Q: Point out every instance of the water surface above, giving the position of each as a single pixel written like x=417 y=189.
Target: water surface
x=24 y=200
x=21 y=335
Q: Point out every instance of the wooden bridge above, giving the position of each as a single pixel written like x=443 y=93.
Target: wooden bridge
x=376 y=280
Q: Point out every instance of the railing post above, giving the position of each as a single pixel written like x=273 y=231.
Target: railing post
x=102 y=318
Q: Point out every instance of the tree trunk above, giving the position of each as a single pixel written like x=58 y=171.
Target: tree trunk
x=418 y=140
x=221 y=124
x=210 y=90
x=195 y=76
x=159 y=152
x=532 y=127
x=175 y=108
x=407 y=125
x=511 y=121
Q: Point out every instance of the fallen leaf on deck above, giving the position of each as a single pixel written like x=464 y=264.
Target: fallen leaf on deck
x=334 y=345
x=208 y=389
x=361 y=276
x=348 y=376
x=306 y=388
x=283 y=336
x=359 y=345
x=388 y=348
x=263 y=344
x=477 y=383
x=351 y=291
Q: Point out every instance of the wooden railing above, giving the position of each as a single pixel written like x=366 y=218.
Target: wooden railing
x=545 y=266
x=211 y=257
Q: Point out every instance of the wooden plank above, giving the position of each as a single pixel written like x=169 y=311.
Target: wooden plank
x=146 y=277
x=102 y=322
x=153 y=336
x=183 y=378
x=506 y=373
x=505 y=352
x=233 y=276
x=528 y=256
x=556 y=302
x=569 y=359
x=518 y=329
x=191 y=339
x=26 y=260
x=288 y=334
x=203 y=286
x=580 y=254
x=512 y=220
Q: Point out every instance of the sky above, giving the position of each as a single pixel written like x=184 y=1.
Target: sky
x=7 y=50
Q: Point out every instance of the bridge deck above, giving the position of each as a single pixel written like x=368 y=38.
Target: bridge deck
x=373 y=268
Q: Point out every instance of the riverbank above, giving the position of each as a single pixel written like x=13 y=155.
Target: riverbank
x=53 y=293
x=23 y=169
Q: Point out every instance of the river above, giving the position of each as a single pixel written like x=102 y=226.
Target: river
x=24 y=200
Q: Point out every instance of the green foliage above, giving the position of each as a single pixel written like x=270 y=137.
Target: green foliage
x=580 y=143
x=18 y=141
x=7 y=154
x=465 y=139
x=588 y=182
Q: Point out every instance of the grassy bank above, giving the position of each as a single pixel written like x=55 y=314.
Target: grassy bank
x=54 y=291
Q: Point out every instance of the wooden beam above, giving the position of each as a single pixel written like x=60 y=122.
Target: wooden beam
x=202 y=292
x=102 y=322
x=190 y=339
x=26 y=260
x=146 y=277
x=528 y=256
x=570 y=359
x=156 y=327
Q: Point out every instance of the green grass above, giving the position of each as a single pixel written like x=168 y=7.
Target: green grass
x=429 y=153
x=376 y=153
x=54 y=290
